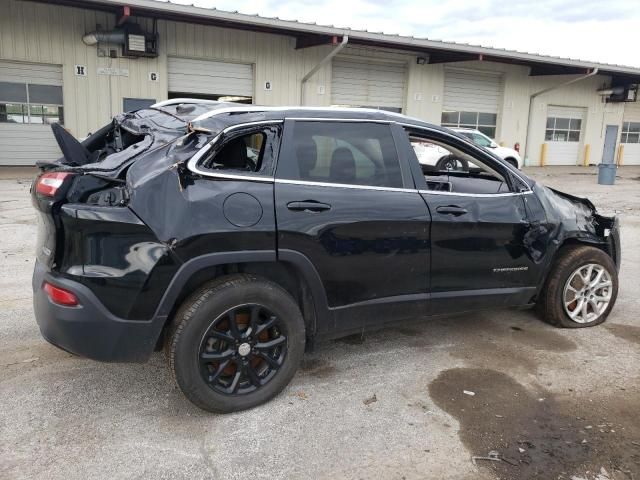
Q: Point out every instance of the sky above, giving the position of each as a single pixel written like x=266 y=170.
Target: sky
x=595 y=30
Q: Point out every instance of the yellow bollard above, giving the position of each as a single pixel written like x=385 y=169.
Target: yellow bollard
x=620 y=154
x=543 y=155
x=587 y=154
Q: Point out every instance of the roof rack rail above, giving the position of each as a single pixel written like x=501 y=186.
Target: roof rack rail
x=256 y=108
x=177 y=101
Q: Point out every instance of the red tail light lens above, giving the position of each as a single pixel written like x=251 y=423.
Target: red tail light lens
x=60 y=295
x=49 y=183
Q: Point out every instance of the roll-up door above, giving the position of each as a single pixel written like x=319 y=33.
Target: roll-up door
x=472 y=99
x=365 y=83
x=563 y=134
x=30 y=100
x=210 y=79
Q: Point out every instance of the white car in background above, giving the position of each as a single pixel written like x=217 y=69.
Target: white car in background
x=442 y=159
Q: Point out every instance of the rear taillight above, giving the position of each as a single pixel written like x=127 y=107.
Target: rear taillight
x=516 y=147
x=49 y=183
x=60 y=295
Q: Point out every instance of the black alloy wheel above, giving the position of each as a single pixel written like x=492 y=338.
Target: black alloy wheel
x=235 y=343
x=242 y=350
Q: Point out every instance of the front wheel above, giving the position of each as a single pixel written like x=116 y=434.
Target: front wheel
x=235 y=343
x=451 y=162
x=581 y=289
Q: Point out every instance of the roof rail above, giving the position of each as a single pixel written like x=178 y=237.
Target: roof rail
x=256 y=108
x=177 y=101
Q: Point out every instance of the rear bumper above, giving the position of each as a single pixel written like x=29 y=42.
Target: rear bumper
x=90 y=330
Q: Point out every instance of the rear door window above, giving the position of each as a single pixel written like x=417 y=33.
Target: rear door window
x=349 y=153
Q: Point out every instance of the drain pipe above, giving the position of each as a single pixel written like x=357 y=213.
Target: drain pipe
x=546 y=90
x=333 y=53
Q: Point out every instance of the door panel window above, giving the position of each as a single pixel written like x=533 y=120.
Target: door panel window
x=448 y=169
x=343 y=153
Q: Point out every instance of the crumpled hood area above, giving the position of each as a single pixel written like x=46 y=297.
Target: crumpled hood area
x=571 y=216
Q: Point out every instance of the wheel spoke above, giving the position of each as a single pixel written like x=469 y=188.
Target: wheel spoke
x=599 y=298
x=594 y=306
x=273 y=363
x=267 y=325
x=233 y=325
x=213 y=377
x=585 y=310
x=253 y=375
x=605 y=284
x=253 y=320
x=224 y=336
x=271 y=343
x=235 y=382
x=215 y=356
x=570 y=288
x=596 y=280
x=574 y=313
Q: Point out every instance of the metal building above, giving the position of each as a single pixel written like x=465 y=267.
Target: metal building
x=81 y=62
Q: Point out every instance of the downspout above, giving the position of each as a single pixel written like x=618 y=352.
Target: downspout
x=527 y=149
x=321 y=63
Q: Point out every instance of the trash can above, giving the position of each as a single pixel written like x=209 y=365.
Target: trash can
x=607 y=173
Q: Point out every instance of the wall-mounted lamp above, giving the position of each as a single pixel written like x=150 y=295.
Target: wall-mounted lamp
x=421 y=60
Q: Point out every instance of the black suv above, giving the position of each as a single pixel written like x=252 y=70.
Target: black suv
x=233 y=236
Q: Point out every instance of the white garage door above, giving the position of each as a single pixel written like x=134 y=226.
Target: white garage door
x=563 y=134
x=30 y=100
x=363 y=83
x=210 y=78
x=630 y=137
x=472 y=99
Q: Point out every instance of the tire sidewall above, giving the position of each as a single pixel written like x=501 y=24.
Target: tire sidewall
x=208 y=307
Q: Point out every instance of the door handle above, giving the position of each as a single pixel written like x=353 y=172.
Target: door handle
x=451 y=210
x=308 y=206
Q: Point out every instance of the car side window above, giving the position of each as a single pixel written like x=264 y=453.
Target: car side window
x=241 y=153
x=244 y=151
x=449 y=169
x=352 y=153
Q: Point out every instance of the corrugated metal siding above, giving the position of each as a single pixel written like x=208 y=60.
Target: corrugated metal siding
x=367 y=83
x=210 y=77
x=472 y=91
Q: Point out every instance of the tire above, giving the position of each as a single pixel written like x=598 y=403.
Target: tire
x=575 y=260
x=512 y=161
x=203 y=327
x=451 y=162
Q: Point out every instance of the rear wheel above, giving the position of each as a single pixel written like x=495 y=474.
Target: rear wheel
x=581 y=289
x=236 y=343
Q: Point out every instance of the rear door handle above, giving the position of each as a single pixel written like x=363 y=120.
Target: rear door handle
x=308 y=206
x=451 y=210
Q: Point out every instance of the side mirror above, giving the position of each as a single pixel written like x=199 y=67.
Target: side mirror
x=493 y=144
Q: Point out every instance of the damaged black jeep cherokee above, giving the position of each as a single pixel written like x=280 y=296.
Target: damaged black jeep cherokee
x=233 y=236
